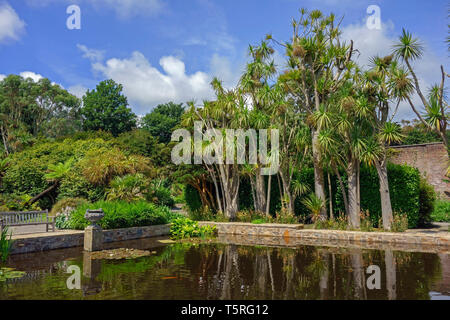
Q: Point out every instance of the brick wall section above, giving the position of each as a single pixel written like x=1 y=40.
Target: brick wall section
x=432 y=161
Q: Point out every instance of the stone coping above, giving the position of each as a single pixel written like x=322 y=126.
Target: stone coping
x=248 y=224
x=27 y=243
x=332 y=236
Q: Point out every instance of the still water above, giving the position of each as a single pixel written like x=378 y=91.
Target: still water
x=229 y=271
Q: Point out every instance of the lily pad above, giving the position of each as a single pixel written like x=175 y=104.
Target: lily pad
x=167 y=241
x=10 y=273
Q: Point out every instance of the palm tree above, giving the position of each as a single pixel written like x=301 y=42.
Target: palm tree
x=386 y=84
x=436 y=115
x=318 y=61
x=315 y=205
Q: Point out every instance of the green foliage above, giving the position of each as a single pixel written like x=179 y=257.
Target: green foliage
x=314 y=204
x=121 y=214
x=182 y=228
x=161 y=196
x=162 y=120
x=106 y=108
x=340 y=223
x=192 y=198
x=128 y=188
x=427 y=198
x=65 y=205
x=31 y=109
x=5 y=244
x=441 y=211
x=404 y=187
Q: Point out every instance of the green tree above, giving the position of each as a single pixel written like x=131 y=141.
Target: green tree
x=162 y=120
x=106 y=108
x=318 y=61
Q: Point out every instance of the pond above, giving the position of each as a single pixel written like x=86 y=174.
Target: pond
x=213 y=270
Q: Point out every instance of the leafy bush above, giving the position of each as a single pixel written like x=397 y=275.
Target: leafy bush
x=63 y=206
x=441 y=211
x=161 y=196
x=183 y=228
x=427 y=197
x=130 y=187
x=121 y=214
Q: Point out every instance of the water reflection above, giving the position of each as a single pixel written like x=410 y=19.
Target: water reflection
x=229 y=271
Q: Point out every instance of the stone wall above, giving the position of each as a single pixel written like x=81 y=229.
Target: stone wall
x=432 y=161
x=294 y=233
x=70 y=239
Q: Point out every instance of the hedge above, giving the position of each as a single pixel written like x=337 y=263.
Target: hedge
x=120 y=214
x=404 y=186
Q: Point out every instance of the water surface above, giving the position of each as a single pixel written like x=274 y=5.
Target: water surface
x=228 y=271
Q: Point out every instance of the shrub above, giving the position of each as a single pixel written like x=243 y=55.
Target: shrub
x=441 y=212
x=162 y=196
x=400 y=222
x=130 y=187
x=427 y=197
x=121 y=214
x=340 y=223
x=284 y=216
x=183 y=228
x=67 y=205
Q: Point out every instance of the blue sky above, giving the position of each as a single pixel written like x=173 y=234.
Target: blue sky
x=163 y=50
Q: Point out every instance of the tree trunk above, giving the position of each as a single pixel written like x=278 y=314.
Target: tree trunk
x=353 y=203
x=269 y=184
x=330 y=196
x=344 y=193
x=40 y=195
x=386 y=207
x=319 y=185
x=260 y=192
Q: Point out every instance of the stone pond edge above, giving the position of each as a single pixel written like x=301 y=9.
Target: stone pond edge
x=72 y=238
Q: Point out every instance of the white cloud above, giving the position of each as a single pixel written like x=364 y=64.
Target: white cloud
x=146 y=86
x=29 y=74
x=11 y=26
x=379 y=42
x=2 y=76
x=91 y=54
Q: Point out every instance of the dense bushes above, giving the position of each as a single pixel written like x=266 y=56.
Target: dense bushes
x=441 y=211
x=183 y=228
x=427 y=197
x=121 y=214
x=408 y=194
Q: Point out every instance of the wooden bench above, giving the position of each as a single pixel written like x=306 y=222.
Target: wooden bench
x=26 y=218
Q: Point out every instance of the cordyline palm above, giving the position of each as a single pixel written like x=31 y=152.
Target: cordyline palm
x=343 y=132
x=221 y=114
x=436 y=114
x=318 y=64
x=255 y=86
x=386 y=85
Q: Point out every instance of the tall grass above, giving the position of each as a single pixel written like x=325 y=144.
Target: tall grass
x=5 y=244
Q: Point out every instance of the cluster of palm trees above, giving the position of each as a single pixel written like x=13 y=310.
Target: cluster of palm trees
x=329 y=112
